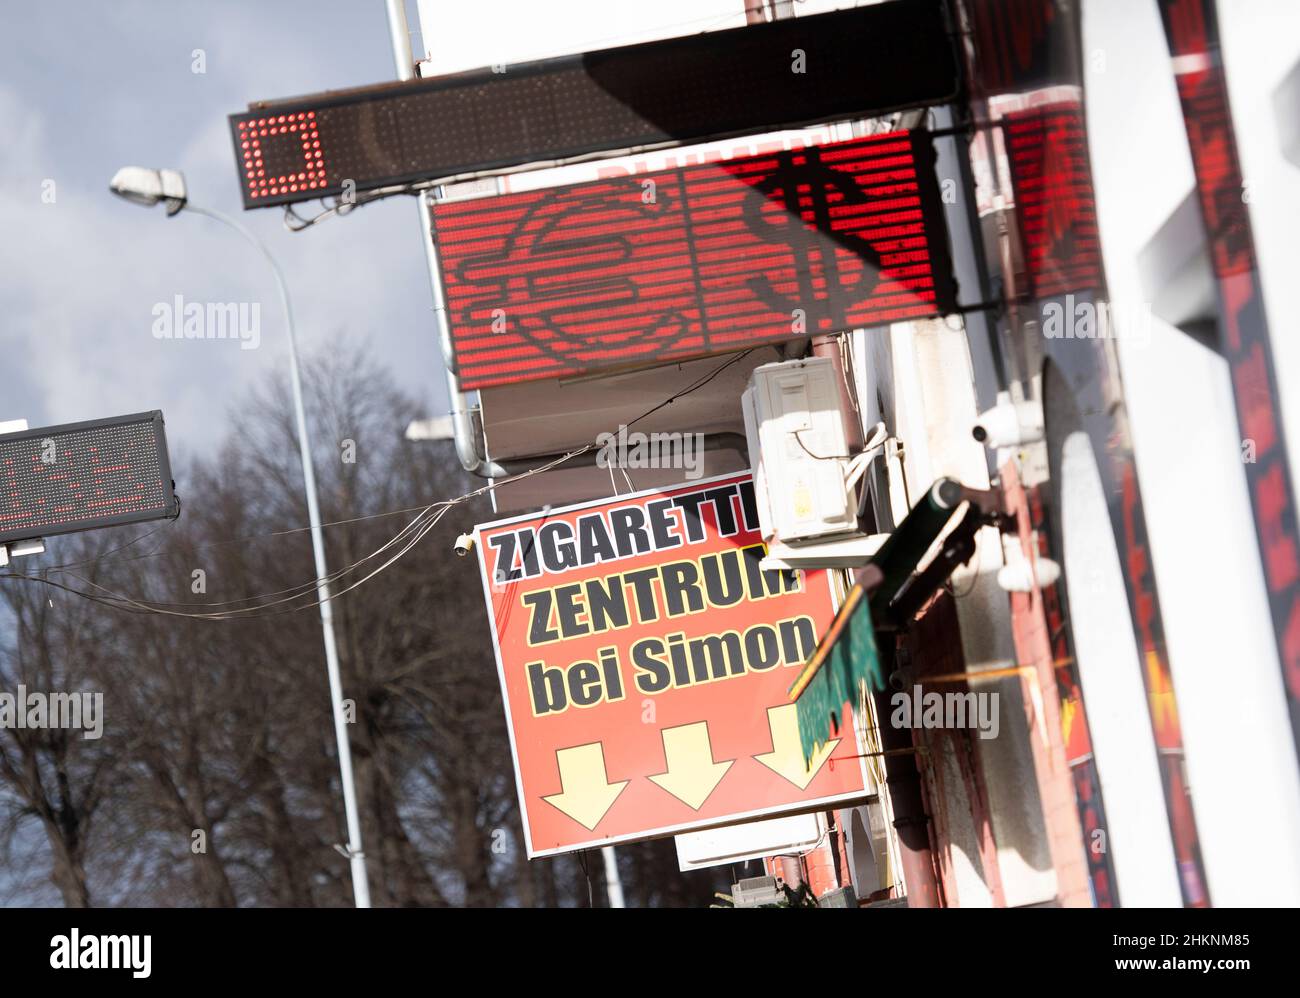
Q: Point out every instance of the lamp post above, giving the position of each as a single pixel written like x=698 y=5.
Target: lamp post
x=149 y=187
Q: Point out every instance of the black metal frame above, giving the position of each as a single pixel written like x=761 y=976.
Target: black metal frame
x=906 y=30
x=172 y=503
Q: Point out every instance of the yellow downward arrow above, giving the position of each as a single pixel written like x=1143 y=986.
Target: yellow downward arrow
x=786 y=757
x=692 y=774
x=587 y=793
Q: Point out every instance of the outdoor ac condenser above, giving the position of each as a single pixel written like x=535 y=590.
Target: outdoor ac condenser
x=797 y=445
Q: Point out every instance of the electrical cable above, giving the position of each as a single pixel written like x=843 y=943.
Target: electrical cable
x=296 y=223
x=416 y=528
x=110 y=552
x=301 y=588
x=408 y=537
x=248 y=539
x=298 y=590
x=693 y=387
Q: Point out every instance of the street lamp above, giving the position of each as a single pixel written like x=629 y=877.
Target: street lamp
x=146 y=187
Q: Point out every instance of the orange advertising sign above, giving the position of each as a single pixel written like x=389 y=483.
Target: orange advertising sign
x=645 y=658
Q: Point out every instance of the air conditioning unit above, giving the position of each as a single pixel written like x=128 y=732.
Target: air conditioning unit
x=757 y=892
x=806 y=484
x=798 y=448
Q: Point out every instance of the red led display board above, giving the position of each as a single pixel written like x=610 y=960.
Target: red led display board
x=80 y=476
x=840 y=65
x=693 y=261
x=1055 y=205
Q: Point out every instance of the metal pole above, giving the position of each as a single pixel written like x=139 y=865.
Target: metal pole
x=357 y=859
x=613 y=882
x=464 y=426
x=911 y=821
x=400 y=35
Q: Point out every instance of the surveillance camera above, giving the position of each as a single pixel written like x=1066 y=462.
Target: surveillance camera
x=1009 y=424
x=464 y=544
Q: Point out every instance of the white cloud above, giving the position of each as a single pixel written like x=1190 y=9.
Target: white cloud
x=79 y=277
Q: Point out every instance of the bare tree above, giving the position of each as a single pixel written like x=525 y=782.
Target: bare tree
x=216 y=781
x=54 y=776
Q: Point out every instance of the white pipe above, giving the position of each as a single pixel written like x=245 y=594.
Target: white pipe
x=613 y=882
x=400 y=34
x=464 y=430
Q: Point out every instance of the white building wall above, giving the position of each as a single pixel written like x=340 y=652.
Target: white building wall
x=1241 y=760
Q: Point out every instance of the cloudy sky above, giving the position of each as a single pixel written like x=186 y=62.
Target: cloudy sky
x=89 y=87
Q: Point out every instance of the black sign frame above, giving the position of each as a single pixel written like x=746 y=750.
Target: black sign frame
x=170 y=510
x=857 y=63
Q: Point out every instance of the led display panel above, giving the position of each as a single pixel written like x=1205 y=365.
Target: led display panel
x=845 y=64
x=80 y=476
x=1024 y=45
x=1057 y=211
x=693 y=261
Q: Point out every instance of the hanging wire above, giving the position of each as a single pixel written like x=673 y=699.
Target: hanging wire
x=291 y=600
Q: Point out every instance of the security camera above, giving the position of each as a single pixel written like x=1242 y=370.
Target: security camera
x=1009 y=424
x=464 y=544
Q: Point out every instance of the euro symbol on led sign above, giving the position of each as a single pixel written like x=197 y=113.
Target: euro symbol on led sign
x=577 y=247
x=567 y=280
